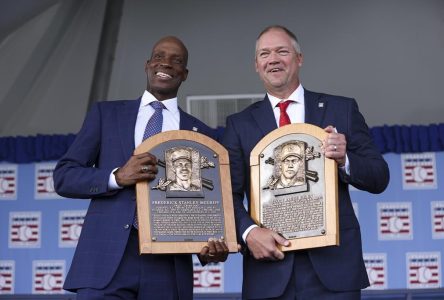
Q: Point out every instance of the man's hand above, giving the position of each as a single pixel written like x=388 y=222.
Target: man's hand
x=335 y=145
x=215 y=251
x=262 y=244
x=141 y=167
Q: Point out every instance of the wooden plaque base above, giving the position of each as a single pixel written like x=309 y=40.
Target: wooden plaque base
x=170 y=216
x=294 y=187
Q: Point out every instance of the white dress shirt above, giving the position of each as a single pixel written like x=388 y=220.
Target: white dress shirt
x=171 y=121
x=296 y=109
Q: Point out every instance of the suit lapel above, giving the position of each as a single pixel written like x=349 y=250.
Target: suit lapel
x=126 y=119
x=186 y=123
x=263 y=114
x=315 y=107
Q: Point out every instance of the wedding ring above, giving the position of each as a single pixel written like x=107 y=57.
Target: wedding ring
x=144 y=168
x=335 y=148
x=210 y=255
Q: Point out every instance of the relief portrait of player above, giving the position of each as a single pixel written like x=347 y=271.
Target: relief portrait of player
x=182 y=169
x=290 y=171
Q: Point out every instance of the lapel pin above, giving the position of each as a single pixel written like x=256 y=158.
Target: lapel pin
x=194 y=128
x=321 y=104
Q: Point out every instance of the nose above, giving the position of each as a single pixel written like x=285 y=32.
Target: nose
x=183 y=167
x=273 y=58
x=165 y=64
x=165 y=61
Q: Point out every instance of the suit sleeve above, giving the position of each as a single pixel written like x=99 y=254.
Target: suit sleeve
x=239 y=178
x=77 y=174
x=368 y=169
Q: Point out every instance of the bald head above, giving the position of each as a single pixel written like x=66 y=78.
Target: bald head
x=167 y=68
x=173 y=40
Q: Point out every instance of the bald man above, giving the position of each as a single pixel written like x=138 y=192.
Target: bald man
x=100 y=165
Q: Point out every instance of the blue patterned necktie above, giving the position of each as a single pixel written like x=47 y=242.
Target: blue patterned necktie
x=154 y=126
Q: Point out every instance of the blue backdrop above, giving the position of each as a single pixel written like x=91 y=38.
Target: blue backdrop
x=402 y=229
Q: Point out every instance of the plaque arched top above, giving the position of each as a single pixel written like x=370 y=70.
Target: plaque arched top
x=188 y=135
x=298 y=128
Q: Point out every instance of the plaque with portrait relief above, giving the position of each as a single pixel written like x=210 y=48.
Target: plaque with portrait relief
x=190 y=199
x=294 y=187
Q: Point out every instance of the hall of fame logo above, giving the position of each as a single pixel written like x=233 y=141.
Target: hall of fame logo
x=437 y=219
x=44 y=184
x=70 y=227
x=395 y=221
x=207 y=279
x=24 y=229
x=48 y=276
x=8 y=182
x=424 y=270
x=419 y=171
x=376 y=266
x=7 y=270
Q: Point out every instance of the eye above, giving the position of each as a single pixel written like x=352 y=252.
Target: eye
x=283 y=52
x=263 y=54
x=157 y=56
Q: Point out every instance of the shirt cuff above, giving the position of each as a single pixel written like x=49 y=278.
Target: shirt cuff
x=346 y=167
x=112 y=183
x=246 y=232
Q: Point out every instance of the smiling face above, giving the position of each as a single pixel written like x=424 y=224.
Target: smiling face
x=182 y=169
x=278 y=62
x=166 y=69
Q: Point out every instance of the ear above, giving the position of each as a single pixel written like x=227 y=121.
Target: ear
x=146 y=66
x=185 y=74
x=300 y=59
x=256 y=67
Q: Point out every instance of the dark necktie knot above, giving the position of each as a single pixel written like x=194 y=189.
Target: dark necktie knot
x=157 y=105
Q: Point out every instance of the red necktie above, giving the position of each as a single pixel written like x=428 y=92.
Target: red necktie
x=284 y=119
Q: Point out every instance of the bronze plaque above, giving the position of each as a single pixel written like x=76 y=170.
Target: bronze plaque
x=188 y=202
x=294 y=187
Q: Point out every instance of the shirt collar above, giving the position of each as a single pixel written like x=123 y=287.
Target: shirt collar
x=170 y=104
x=297 y=96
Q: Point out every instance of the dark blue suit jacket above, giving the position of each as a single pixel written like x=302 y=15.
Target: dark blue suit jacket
x=339 y=268
x=105 y=142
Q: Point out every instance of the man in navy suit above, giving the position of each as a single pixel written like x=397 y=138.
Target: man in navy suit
x=335 y=272
x=100 y=165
